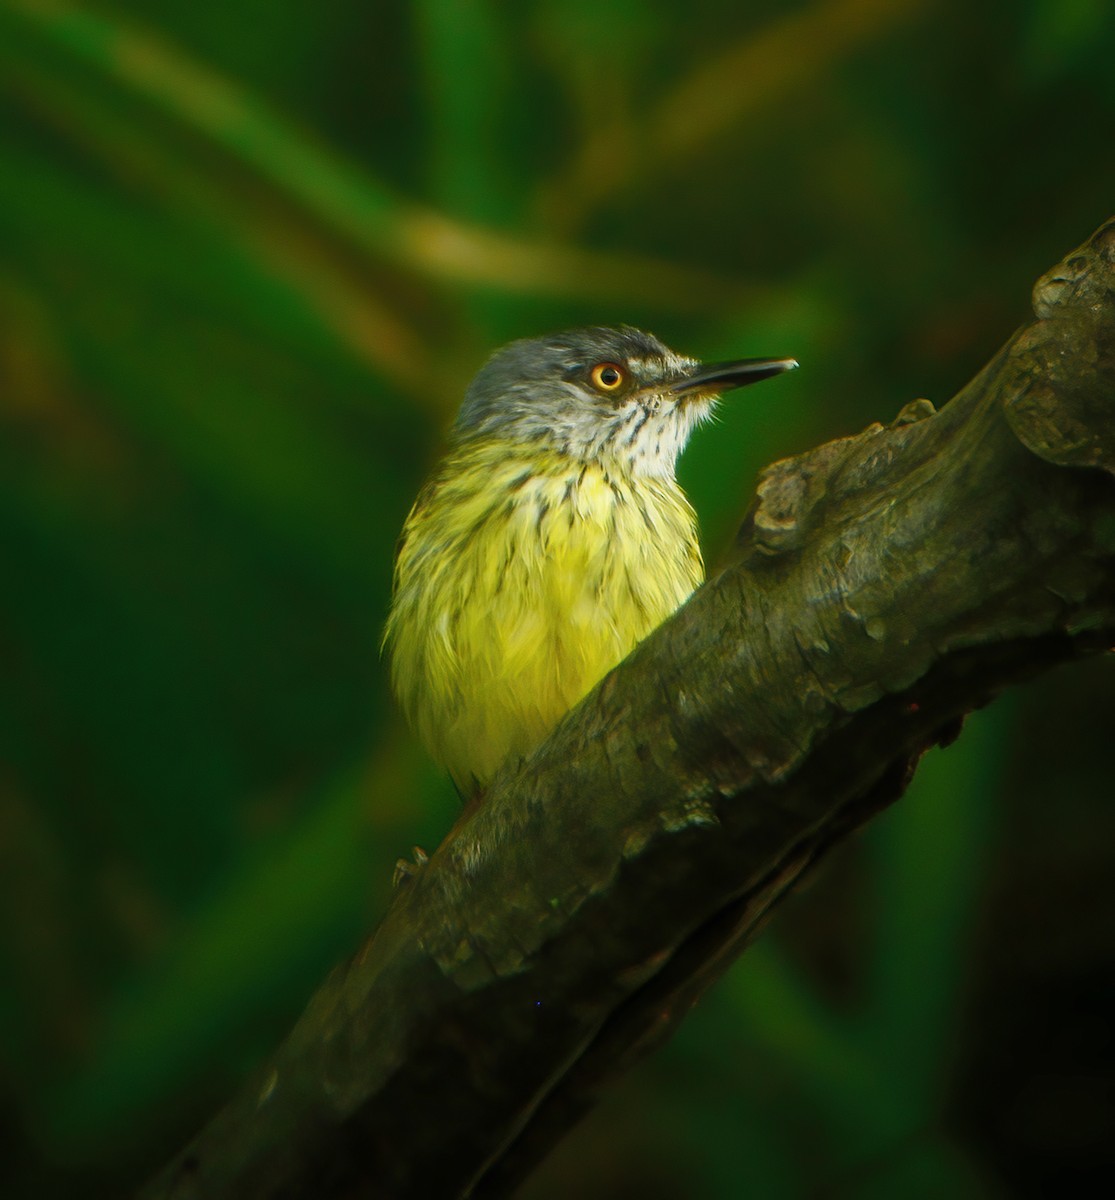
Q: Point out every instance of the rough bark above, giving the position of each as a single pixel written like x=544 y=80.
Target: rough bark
x=882 y=586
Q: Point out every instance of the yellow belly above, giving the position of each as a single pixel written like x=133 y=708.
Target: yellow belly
x=520 y=582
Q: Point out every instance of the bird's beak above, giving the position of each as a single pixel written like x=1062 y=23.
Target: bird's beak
x=722 y=377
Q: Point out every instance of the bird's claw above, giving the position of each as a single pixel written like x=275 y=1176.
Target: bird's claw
x=405 y=870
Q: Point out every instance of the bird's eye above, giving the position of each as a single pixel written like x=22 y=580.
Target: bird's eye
x=608 y=376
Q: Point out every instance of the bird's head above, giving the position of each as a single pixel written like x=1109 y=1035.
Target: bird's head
x=613 y=396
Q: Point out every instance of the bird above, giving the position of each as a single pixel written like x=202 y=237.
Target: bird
x=552 y=538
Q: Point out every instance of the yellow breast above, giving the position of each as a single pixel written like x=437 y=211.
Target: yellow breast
x=522 y=578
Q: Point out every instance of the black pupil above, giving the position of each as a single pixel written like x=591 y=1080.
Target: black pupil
x=609 y=377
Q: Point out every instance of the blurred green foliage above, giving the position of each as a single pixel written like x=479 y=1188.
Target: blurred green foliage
x=250 y=255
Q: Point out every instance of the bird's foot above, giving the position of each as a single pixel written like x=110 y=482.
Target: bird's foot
x=405 y=870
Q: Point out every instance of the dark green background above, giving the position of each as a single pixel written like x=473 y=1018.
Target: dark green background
x=250 y=254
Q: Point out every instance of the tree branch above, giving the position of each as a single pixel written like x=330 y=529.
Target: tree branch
x=882 y=586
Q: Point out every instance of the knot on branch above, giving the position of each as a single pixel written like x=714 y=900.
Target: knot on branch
x=1084 y=279
x=795 y=494
x=1061 y=400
